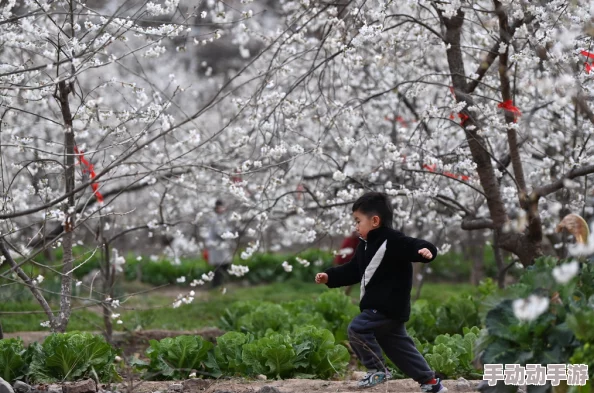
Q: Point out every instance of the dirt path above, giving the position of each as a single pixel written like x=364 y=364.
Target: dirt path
x=292 y=386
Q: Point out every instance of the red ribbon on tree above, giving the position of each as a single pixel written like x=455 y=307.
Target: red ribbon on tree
x=89 y=168
x=509 y=106
x=432 y=168
x=398 y=119
x=463 y=117
x=587 y=66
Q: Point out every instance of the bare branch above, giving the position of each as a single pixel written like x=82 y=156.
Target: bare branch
x=560 y=183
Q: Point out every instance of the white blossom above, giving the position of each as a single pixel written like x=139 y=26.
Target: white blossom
x=444 y=249
x=579 y=249
x=230 y=235
x=238 y=270
x=344 y=252
x=565 y=272
x=339 y=176
x=288 y=268
x=529 y=309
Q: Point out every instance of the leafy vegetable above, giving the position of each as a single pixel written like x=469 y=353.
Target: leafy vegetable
x=317 y=354
x=453 y=355
x=272 y=356
x=13 y=359
x=226 y=359
x=72 y=356
x=177 y=357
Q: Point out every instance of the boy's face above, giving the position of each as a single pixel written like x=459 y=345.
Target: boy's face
x=364 y=223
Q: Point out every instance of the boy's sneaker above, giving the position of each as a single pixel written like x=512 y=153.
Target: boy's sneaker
x=373 y=378
x=430 y=387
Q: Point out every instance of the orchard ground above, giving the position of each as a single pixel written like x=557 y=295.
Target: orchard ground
x=152 y=317
x=291 y=385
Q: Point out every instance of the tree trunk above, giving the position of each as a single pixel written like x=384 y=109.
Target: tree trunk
x=478 y=271
x=478 y=149
x=499 y=261
x=107 y=289
x=526 y=246
x=69 y=209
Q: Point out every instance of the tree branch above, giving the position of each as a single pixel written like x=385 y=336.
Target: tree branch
x=560 y=183
x=493 y=53
x=477 y=223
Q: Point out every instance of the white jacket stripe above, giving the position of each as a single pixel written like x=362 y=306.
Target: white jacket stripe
x=372 y=267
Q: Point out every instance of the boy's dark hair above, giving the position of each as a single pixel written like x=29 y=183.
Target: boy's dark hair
x=376 y=203
x=218 y=204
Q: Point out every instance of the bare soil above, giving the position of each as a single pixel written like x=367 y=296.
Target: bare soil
x=290 y=386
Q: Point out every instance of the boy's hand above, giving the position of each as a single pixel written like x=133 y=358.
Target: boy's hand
x=321 y=278
x=425 y=253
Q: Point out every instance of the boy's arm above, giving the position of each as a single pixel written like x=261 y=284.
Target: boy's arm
x=344 y=275
x=411 y=247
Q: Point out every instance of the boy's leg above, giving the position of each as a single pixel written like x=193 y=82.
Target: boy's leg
x=401 y=350
x=363 y=341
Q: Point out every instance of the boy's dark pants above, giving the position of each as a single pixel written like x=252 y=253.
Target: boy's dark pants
x=370 y=332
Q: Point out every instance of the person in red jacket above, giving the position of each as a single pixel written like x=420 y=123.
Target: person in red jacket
x=347 y=249
x=346 y=252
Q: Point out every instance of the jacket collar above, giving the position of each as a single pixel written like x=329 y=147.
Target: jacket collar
x=377 y=233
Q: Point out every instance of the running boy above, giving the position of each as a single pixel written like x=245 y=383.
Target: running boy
x=382 y=264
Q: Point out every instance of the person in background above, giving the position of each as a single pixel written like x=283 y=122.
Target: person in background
x=346 y=252
x=219 y=249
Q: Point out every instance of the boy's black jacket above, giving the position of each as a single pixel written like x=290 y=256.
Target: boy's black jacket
x=388 y=283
